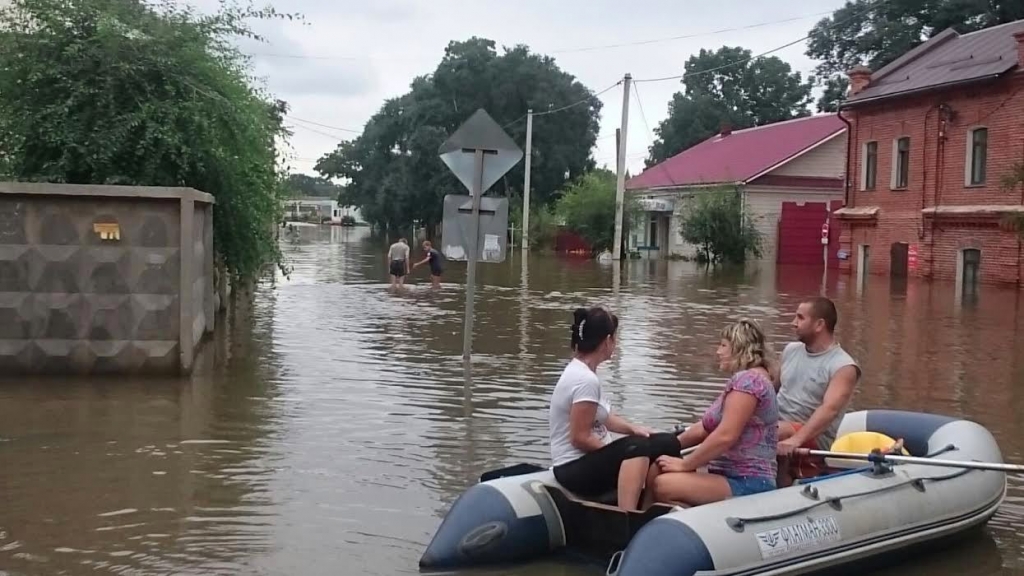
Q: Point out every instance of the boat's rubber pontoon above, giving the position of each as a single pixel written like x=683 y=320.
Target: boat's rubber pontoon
x=822 y=523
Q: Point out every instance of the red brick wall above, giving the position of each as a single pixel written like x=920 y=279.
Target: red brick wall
x=937 y=178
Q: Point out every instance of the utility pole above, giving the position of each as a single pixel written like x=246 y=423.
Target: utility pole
x=526 y=181
x=620 y=185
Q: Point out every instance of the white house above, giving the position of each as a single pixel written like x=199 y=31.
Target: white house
x=791 y=175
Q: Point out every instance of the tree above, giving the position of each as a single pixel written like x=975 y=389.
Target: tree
x=147 y=94
x=587 y=207
x=713 y=220
x=876 y=32
x=395 y=174
x=304 y=185
x=742 y=91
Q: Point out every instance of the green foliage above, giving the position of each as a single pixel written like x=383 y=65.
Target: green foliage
x=751 y=93
x=393 y=167
x=713 y=220
x=834 y=94
x=306 y=186
x=587 y=207
x=876 y=32
x=544 y=225
x=148 y=94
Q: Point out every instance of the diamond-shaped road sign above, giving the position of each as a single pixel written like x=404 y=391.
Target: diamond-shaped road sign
x=480 y=132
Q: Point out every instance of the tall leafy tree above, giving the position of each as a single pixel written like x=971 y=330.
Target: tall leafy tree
x=876 y=32
x=143 y=93
x=304 y=185
x=394 y=173
x=729 y=85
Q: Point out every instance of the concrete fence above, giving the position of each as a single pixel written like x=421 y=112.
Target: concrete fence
x=103 y=279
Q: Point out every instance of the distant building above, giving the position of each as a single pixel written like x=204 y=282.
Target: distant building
x=790 y=174
x=322 y=210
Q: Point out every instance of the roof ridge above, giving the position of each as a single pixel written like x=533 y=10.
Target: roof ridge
x=990 y=28
x=779 y=123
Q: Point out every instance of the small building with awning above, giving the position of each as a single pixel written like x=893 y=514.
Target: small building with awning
x=790 y=174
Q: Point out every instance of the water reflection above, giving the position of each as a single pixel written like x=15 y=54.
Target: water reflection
x=143 y=475
x=346 y=422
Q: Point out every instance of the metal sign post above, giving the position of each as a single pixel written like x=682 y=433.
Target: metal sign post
x=478 y=153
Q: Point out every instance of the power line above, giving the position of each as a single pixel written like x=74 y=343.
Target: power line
x=325 y=125
x=574 y=50
x=869 y=8
x=690 y=36
x=574 y=104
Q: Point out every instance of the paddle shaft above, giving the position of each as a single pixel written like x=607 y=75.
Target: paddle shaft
x=999 y=467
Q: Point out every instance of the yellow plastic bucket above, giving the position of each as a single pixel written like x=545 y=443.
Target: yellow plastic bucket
x=860 y=443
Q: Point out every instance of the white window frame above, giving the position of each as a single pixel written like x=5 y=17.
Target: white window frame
x=969 y=158
x=893 y=181
x=864 y=166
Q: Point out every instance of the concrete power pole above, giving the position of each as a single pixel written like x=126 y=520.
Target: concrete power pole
x=526 y=182
x=620 y=186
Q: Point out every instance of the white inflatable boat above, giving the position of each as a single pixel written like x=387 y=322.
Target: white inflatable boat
x=826 y=522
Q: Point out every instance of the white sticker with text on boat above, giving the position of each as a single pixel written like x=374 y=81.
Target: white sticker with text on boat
x=809 y=534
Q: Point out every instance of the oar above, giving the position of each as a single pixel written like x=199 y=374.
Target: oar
x=878 y=457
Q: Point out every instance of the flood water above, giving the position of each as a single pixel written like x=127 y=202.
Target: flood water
x=330 y=425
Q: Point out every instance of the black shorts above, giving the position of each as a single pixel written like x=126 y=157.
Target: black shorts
x=597 y=473
x=398 y=267
x=435 y=271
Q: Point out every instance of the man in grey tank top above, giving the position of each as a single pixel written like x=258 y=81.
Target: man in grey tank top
x=818 y=379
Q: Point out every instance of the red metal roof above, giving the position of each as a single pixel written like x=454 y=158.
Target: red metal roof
x=740 y=156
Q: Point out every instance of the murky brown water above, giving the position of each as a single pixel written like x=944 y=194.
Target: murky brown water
x=330 y=426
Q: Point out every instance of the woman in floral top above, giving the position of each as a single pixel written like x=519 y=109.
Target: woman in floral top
x=737 y=435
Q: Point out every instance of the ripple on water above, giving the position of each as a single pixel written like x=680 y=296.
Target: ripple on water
x=337 y=425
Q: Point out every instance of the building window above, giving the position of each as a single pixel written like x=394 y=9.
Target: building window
x=869 y=166
x=977 y=156
x=901 y=163
x=652 y=240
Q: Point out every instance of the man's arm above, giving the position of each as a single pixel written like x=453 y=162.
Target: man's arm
x=837 y=396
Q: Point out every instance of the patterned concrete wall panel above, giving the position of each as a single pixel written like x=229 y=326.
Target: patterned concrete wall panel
x=158 y=355
x=154 y=270
x=18 y=356
x=106 y=270
x=56 y=268
x=15 y=268
x=111 y=318
x=156 y=316
x=158 y=230
x=12 y=221
x=90 y=278
x=59 y=316
x=16 y=314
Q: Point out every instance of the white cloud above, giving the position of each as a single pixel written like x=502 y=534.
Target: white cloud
x=350 y=56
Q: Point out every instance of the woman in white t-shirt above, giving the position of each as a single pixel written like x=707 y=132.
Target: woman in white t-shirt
x=586 y=461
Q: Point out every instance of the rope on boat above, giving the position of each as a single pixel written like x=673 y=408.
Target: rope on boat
x=835 y=502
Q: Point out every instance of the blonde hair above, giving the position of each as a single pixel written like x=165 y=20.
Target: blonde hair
x=749 y=347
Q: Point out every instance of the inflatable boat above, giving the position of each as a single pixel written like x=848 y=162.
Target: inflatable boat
x=858 y=510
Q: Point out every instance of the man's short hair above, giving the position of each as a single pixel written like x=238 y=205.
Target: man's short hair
x=824 y=309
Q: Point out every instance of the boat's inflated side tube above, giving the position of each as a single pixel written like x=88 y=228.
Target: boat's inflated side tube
x=665 y=547
x=483 y=527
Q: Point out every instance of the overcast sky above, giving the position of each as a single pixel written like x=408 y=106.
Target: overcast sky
x=338 y=67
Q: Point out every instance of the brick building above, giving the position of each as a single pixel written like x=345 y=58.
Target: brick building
x=932 y=135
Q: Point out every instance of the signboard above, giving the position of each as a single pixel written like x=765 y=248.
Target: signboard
x=912 y=257
x=457 y=224
x=478 y=153
x=480 y=132
x=807 y=535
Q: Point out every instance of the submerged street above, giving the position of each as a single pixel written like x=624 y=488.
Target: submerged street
x=328 y=428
